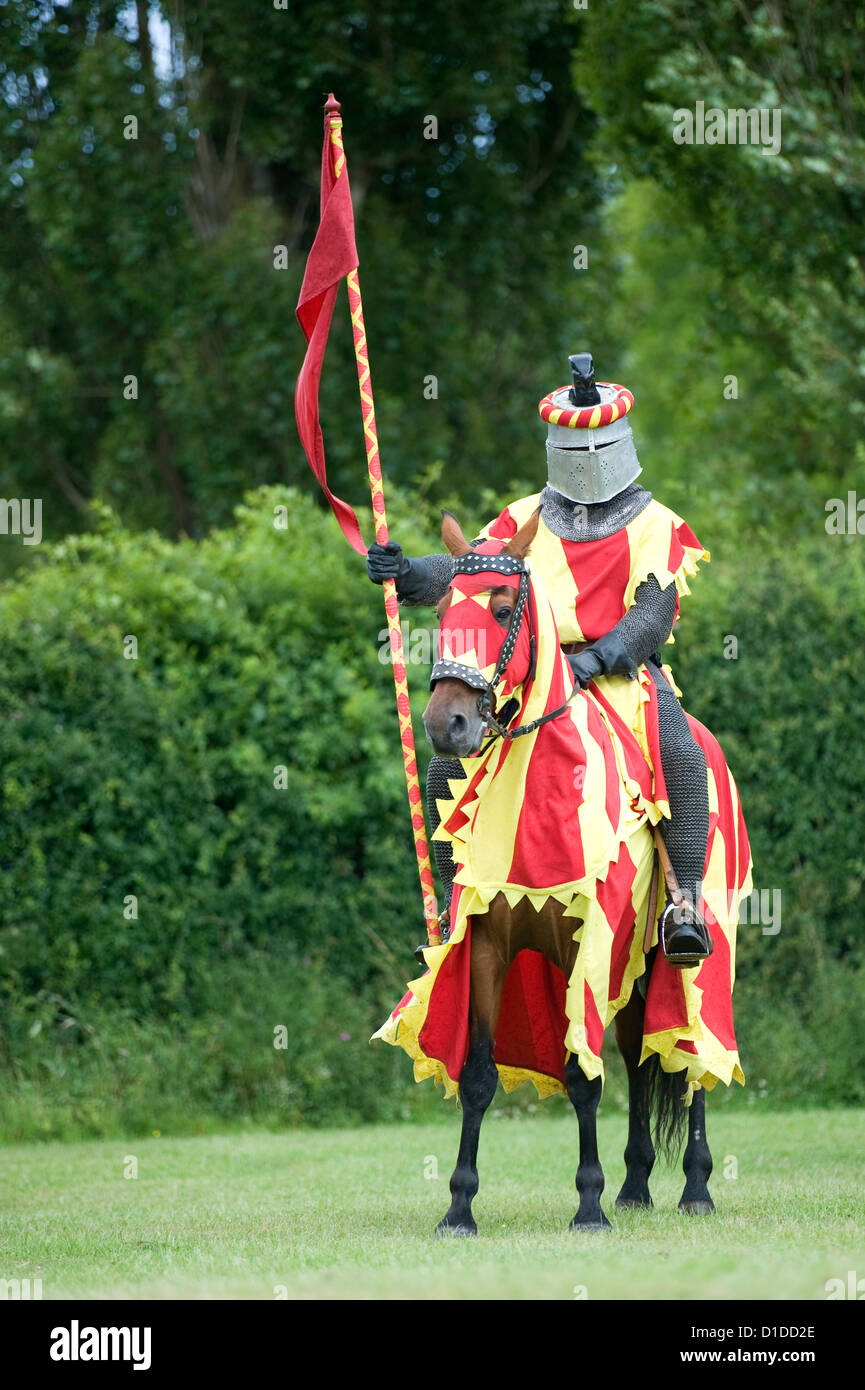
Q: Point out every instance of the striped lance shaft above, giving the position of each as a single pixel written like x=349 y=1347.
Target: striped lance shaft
x=390 y=599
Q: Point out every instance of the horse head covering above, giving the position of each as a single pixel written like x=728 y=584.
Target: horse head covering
x=590 y=447
x=474 y=647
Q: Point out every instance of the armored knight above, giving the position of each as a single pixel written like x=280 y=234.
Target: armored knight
x=613 y=562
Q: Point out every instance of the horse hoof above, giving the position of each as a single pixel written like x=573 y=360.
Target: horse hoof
x=458 y=1229
x=635 y=1203
x=705 y=1207
x=602 y=1225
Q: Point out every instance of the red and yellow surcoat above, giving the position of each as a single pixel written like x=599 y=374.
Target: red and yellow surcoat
x=591 y=584
x=563 y=813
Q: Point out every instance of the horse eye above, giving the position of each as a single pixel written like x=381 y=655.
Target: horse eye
x=503 y=615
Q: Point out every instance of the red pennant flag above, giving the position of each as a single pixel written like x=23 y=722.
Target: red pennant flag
x=332 y=256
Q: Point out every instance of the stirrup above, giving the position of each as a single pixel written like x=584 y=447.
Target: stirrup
x=684 y=936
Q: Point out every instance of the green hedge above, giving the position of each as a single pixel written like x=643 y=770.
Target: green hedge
x=257 y=906
x=787 y=713
x=260 y=906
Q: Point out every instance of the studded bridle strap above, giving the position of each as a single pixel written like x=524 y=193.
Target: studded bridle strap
x=476 y=562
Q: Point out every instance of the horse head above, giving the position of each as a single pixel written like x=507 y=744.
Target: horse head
x=485 y=649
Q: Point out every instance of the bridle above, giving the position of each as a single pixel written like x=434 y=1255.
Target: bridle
x=476 y=563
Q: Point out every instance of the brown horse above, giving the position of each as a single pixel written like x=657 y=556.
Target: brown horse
x=457 y=720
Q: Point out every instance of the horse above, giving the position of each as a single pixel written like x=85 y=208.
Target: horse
x=517 y=939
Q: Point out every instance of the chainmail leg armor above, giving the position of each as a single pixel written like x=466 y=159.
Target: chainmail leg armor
x=687 y=831
x=440 y=769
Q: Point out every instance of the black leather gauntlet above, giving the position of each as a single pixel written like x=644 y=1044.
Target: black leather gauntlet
x=388 y=562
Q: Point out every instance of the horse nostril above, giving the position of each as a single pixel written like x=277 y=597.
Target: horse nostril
x=458 y=725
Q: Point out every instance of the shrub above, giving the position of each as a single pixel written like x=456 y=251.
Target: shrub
x=164 y=899
x=785 y=712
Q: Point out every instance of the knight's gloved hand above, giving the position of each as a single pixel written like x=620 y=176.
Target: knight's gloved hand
x=385 y=561
x=388 y=562
x=585 y=666
x=607 y=657
x=614 y=656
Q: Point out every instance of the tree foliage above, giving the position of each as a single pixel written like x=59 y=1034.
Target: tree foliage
x=780 y=234
x=155 y=256
x=202 y=819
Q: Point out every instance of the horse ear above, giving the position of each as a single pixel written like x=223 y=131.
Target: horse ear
x=519 y=544
x=452 y=535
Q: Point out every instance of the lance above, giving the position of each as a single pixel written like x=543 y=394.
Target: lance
x=391 y=604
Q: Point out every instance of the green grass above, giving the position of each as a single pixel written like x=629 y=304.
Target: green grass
x=349 y=1213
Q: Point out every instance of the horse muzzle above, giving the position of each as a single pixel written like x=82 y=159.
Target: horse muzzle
x=454 y=722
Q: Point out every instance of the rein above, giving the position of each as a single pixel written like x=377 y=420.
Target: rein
x=475 y=563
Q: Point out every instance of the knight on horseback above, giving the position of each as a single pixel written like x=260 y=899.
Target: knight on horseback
x=614 y=562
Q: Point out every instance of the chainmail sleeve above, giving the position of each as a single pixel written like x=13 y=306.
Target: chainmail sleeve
x=440 y=572
x=649 y=621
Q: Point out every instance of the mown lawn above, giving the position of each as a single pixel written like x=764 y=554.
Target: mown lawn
x=350 y=1214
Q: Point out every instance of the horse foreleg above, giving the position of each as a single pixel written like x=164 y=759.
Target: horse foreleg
x=585 y=1096
x=478 y=1080
x=697 y=1163
x=639 y=1151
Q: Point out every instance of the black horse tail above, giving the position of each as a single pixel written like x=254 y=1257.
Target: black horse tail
x=663 y=1104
